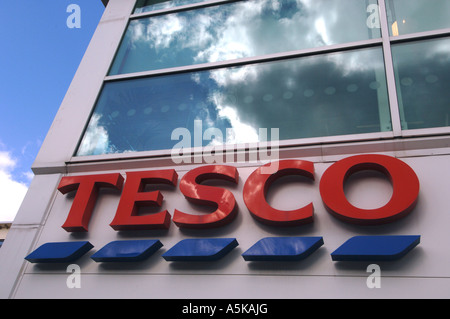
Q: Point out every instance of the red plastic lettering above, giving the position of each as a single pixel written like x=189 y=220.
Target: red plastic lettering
x=257 y=185
x=87 y=191
x=404 y=182
x=133 y=197
x=221 y=198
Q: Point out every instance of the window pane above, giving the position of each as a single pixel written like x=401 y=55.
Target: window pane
x=243 y=29
x=423 y=82
x=409 y=16
x=151 y=5
x=334 y=94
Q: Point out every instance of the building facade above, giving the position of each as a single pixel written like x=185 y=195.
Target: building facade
x=300 y=123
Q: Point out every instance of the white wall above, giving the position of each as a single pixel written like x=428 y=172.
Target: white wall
x=425 y=268
x=424 y=272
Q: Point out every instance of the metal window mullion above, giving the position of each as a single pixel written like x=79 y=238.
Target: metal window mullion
x=390 y=74
x=249 y=60
x=175 y=9
x=420 y=36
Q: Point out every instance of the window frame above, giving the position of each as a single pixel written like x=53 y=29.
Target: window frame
x=384 y=42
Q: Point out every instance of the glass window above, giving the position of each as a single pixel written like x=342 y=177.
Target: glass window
x=334 y=94
x=423 y=82
x=243 y=29
x=409 y=16
x=151 y=5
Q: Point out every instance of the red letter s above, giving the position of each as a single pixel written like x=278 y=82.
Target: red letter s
x=221 y=198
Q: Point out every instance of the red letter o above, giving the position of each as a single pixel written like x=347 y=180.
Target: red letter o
x=404 y=182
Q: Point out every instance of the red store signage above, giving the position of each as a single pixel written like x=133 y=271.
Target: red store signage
x=404 y=197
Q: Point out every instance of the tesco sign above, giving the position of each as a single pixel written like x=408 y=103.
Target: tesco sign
x=404 y=197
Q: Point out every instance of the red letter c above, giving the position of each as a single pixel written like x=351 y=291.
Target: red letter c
x=258 y=184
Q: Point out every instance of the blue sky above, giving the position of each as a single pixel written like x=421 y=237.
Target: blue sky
x=39 y=57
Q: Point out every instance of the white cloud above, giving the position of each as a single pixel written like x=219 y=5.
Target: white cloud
x=12 y=192
x=242 y=132
x=96 y=139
